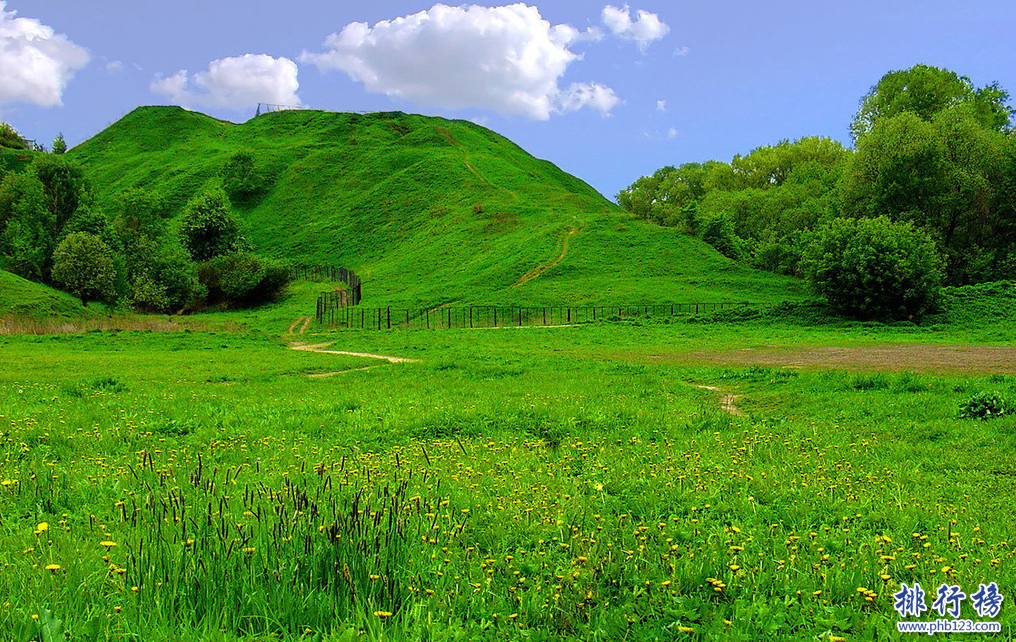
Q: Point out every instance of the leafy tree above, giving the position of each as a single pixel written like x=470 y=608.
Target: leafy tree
x=168 y=282
x=84 y=266
x=59 y=144
x=65 y=186
x=945 y=174
x=208 y=228
x=874 y=268
x=924 y=91
x=26 y=228
x=10 y=138
x=771 y=166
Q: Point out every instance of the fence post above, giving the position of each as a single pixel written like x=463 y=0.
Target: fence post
x=428 y=319
x=569 y=315
x=495 y=316
x=389 y=317
x=470 y=317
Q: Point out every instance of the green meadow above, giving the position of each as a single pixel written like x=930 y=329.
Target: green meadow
x=644 y=479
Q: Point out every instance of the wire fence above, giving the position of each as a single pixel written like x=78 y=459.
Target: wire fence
x=331 y=313
x=330 y=273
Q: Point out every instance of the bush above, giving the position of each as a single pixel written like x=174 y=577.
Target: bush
x=209 y=229
x=985 y=405
x=875 y=268
x=241 y=179
x=84 y=265
x=168 y=284
x=243 y=279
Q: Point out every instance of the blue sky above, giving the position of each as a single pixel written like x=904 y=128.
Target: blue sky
x=605 y=90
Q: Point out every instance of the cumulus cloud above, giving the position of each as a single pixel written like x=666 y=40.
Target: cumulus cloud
x=661 y=105
x=35 y=62
x=646 y=29
x=234 y=83
x=508 y=59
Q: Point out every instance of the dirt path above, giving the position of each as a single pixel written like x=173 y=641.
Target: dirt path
x=451 y=140
x=900 y=357
x=540 y=269
x=728 y=403
x=320 y=347
x=303 y=328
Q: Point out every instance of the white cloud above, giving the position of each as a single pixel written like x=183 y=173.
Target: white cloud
x=643 y=31
x=35 y=62
x=671 y=133
x=508 y=59
x=114 y=66
x=592 y=95
x=681 y=52
x=235 y=83
x=661 y=105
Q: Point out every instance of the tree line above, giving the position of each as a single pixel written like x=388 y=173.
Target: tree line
x=926 y=196
x=130 y=252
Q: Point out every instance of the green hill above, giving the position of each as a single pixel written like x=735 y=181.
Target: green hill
x=427 y=210
x=19 y=297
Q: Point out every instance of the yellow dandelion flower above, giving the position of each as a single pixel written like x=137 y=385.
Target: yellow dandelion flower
x=107 y=544
x=53 y=568
x=42 y=527
x=382 y=614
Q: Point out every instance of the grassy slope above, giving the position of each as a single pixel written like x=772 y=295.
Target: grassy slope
x=427 y=210
x=25 y=298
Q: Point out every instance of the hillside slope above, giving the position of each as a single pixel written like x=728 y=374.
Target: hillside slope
x=427 y=210
x=20 y=297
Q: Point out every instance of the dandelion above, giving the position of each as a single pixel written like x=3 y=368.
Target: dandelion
x=685 y=629
x=107 y=544
x=53 y=568
x=382 y=614
x=42 y=527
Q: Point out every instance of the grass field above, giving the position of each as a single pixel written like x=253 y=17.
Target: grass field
x=576 y=483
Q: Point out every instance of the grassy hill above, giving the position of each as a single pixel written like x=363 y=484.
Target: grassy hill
x=19 y=297
x=427 y=210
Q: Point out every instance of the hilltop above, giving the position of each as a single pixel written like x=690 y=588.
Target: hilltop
x=427 y=210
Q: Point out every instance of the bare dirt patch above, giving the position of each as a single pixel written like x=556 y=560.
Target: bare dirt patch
x=728 y=403
x=900 y=357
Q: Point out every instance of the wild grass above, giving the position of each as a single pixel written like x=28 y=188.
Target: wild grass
x=509 y=485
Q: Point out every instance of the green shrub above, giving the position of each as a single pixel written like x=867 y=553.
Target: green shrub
x=84 y=266
x=208 y=228
x=169 y=283
x=875 y=268
x=985 y=405
x=241 y=179
x=243 y=279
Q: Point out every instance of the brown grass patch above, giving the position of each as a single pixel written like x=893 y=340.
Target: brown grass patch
x=136 y=323
x=900 y=357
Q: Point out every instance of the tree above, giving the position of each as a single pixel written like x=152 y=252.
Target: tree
x=65 y=186
x=84 y=266
x=208 y=228
x=26 y=227
x=59 y=144
x=924 y=91
x=873 y=268
x=946 y=175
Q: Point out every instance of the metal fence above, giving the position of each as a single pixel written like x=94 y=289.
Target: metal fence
x=331 y=313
